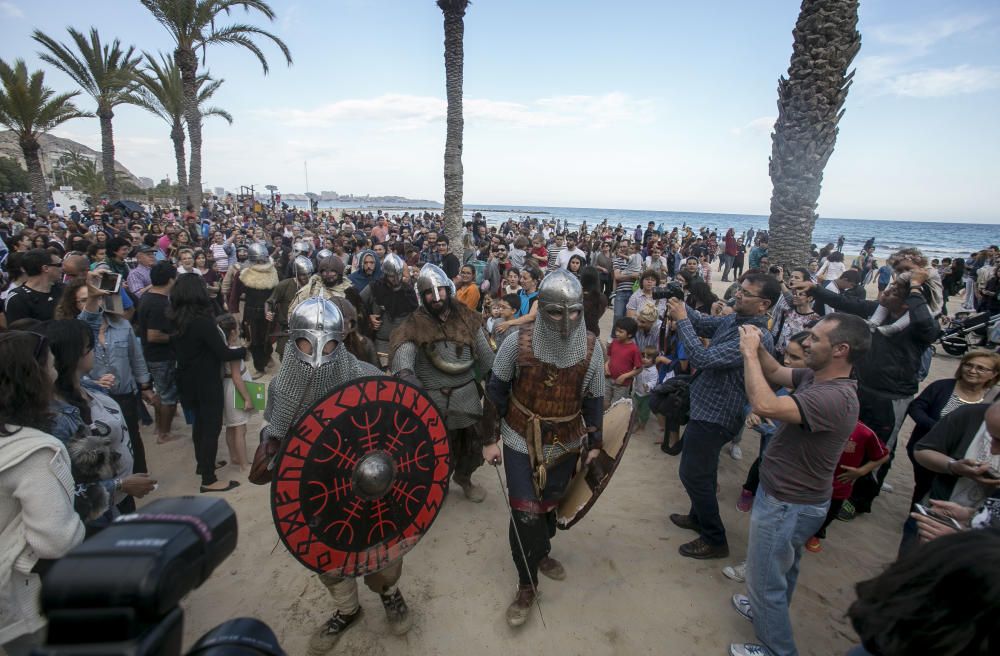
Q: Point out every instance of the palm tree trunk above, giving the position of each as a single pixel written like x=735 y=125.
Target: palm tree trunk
x=108 y=153
x=187 y=62
x=810 y=102
x=177 y=136
x=454 y=57
x=39 y=190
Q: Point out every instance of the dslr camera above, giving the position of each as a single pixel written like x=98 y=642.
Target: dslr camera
x=117 y=593
x=672 y=289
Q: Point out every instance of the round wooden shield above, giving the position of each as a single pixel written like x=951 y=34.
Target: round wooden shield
x=581 y=494
x=361 y=476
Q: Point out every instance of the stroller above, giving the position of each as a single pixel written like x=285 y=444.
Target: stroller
x=968 y=331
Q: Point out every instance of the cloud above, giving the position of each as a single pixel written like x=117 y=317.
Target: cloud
x=760 y=125
x=940 y=82
x=11 y=9
x=405 y=112
x=922 y=37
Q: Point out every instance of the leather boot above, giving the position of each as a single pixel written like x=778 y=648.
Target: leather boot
x=325 y=638
x=552 y=568
x=397 y=612
x=520 y=608
x=473 y=492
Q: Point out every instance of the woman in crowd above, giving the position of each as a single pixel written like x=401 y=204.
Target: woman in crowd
x=117 y=352
x=576 y=264
x=595 y=303
x=974 y=381
x=81 y=407
x=72 y=301
x=201 y=352
x=467 y=291
x=185 y=261
x=832 y=268
x=600 y=258
x=36 y=488
x=700 y=296
x=793 y=319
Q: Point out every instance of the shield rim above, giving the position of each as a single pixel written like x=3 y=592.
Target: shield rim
x=564 y=523
x=404 y=545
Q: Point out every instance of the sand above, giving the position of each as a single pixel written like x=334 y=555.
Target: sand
x=628 y=591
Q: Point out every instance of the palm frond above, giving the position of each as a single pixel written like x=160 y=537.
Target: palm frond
x=27 y=106
x=241 y=34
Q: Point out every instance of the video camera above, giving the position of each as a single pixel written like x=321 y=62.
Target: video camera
x=672 y=289
x=117 y=594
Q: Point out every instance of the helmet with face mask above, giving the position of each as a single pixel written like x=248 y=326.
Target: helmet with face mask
x=302 y=247
x=560 y=302
x=392 y=268
x=319 y=322
x=257 y=253
x=323 y=254
x=303 y=266
x=431 y=279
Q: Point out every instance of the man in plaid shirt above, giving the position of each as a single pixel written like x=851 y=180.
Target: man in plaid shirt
x=718 y=399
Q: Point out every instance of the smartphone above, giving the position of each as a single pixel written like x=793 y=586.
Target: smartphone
x=110 y=282
x=938 y=517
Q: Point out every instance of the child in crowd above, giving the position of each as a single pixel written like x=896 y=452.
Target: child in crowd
x=503 y=309
x=236 y=376
x=863 y=454
x=644 y=384
x=624 y=362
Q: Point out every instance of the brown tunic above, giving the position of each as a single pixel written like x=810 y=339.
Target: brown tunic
x=548 y=392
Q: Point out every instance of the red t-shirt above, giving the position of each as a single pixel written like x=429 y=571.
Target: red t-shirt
x=623 y=358
x=540 y=254
x=862 y=446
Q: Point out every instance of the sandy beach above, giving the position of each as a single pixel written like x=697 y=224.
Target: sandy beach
x=628 y=591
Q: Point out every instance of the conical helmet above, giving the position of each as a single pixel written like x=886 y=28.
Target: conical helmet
x=319 y=322
x=433 y=278
x=560 y=302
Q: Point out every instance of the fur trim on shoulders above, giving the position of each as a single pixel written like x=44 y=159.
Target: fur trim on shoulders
x=259 y=276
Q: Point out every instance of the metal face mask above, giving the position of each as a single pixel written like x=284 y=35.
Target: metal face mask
x=319 y=322
x=560 y=302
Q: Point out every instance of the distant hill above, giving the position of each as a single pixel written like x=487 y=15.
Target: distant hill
x=52 y=149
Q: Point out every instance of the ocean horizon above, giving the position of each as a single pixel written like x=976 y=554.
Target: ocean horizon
x=935 y=238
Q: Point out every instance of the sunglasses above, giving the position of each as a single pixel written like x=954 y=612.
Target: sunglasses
x=41 y=346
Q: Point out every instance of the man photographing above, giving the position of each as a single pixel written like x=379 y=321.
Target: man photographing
x=793 y=497
x=717 y=403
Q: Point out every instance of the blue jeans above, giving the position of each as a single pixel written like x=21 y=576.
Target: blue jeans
x=621 y=300
x=778 y=532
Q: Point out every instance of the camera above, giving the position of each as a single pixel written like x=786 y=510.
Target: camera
x=117 y=593
x=672 y=289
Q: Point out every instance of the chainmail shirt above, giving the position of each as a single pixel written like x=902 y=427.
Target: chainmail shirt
x=505 y=368
x=298 y=385
x=463 y=406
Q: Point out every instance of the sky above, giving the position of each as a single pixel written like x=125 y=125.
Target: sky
x=666 y=106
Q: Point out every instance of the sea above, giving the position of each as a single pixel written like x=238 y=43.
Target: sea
x=935 y=239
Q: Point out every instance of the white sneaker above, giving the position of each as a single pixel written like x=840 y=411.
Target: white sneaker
x=742 y=605
x=736 y=452
x=737 y=573
x=747 y=649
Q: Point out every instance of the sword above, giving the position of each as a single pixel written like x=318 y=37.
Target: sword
x=520 y=545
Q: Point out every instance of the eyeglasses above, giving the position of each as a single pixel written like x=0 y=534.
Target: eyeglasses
x=979 y=369
x=742 y=291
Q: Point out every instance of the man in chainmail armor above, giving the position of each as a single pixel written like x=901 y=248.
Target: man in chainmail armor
x=388 y=302
x=547 y=386
x=441 y=347
x=254 y=284
x=315 y=362
x=328 y=282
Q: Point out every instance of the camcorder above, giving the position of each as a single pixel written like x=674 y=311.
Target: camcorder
x=117 y=593
x=672 y=289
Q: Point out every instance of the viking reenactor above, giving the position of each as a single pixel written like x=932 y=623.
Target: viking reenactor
x=332 y=482
x=387 y=301
x=328 y=282
x=548 y=387
x=280 y=301
x=444 y=346
x=255 y=284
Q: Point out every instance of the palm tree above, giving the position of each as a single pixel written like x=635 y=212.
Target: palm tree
x=810 y=102
x=161 y=92
x=105 y=73
x=29 y=108
x=192 y=24
x=454 y=58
